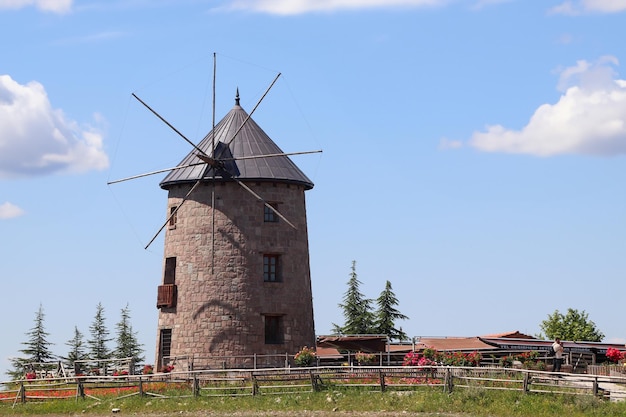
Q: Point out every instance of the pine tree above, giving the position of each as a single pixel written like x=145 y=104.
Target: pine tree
x=98 y=349
x=387 y=314
x=357 y=310
x=127 y=344
x=37 y=348
x=77 y=351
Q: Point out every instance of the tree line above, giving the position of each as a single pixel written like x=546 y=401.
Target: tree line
x=37 y=349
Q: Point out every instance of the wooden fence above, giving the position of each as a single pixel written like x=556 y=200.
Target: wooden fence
x=607 y=370
x=215 y=383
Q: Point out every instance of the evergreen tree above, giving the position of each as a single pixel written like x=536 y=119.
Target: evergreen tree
x=387 y=314
x=37 y=348
x=127 y=344
x=574 y=325
x=98 y=349
x=357 y=311
x=77 y=351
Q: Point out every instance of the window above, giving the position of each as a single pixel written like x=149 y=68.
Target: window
x=169 y=277
x=271 y=268
x=269 y=215
x=165 y=347
x=173 y=214
x=273 y=329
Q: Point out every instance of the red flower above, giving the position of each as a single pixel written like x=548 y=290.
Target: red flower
x=614 y=355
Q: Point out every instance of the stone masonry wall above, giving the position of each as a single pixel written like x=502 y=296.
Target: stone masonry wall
x=222 y=298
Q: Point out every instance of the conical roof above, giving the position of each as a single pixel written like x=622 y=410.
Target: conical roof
x=239 y=150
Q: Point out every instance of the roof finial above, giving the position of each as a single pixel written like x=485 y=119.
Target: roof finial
x=237 y=97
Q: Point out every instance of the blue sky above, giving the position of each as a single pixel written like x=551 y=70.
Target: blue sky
x=473 y=152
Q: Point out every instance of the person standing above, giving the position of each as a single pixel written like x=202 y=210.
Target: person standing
x=557 y=346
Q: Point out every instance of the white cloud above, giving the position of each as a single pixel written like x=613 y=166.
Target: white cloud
x=480 y=4
x=578 y=7
x=591 y=76
x=36 y=139
x=566 y=8
x=588 y=119
x=292 y=7
x=54 y=6
x=445 y=143
x=8 y=211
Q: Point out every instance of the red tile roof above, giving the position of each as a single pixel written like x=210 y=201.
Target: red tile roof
x=453 y=343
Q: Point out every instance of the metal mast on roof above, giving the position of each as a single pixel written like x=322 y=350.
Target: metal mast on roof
x=213 y=181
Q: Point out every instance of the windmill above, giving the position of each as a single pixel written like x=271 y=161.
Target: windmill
x=236 y=276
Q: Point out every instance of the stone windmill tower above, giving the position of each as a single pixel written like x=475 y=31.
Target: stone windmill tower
x=236 y=278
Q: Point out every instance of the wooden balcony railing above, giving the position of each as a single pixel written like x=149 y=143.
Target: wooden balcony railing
x=166 y=297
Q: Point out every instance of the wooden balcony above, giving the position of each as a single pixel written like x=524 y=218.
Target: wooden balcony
x=166 y=297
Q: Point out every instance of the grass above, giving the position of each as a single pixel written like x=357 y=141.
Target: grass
x=336 y=402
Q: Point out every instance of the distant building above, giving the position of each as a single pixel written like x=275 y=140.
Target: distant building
x=579 y=356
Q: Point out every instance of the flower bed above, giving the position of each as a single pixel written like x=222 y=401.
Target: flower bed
x=305 y=357
x=430 y=356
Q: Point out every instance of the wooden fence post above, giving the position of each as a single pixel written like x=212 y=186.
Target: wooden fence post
x=81 y=389
x=22 y=392
x=141 y=393
x=595 y=386
x=381 y=378
x=448 y=384
x=255 y=385
x=196 y=386
x=314 y=386
x=526 y=382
